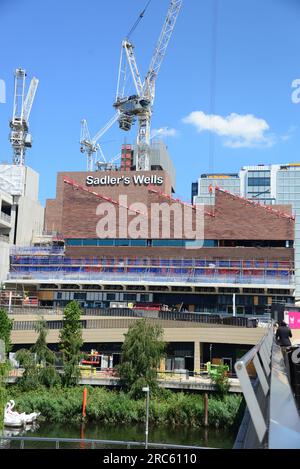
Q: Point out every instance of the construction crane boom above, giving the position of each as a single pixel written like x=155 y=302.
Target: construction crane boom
x=90 y=146
x=128 y=47
x=139 y=106
x=30 y=98
x=104 y=129
x=161 y=47
x=20 y=138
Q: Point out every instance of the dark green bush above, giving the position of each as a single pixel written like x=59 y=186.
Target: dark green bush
x=61 y=404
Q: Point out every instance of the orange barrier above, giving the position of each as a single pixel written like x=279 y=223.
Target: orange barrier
x=84 y=399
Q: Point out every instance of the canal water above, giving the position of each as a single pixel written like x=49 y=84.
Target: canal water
x=213 y=438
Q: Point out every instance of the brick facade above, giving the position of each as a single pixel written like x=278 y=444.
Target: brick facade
x=73 y=213
x=54 y=207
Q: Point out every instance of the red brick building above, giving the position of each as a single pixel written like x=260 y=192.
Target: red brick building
x=247 y=249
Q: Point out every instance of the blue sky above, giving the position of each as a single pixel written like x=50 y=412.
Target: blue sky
x=73 y=47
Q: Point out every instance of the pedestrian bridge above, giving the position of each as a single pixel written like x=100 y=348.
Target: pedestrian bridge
x=271 y=419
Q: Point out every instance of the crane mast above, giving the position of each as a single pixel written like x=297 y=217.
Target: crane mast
x=140 y=106
x=20 y=137
x=91 y=147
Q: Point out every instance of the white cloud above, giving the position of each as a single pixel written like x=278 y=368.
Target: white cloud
x=240 y=131
x=164 y=132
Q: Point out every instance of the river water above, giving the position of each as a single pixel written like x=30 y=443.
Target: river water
x=213 y=438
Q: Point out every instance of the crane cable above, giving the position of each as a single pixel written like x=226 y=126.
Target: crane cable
x=139 y=19
x=213 y=79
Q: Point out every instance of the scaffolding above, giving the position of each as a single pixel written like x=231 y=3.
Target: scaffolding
x=143 y=268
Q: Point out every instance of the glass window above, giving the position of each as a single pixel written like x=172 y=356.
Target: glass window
x=122 y=242
x=129 y=296
x=144 y=298
x=260 y=181
x=89 y=242
x=79 y=296
x=138 y=242
x=110 y=296
x=74 y=242
x=167 y=242
x=105 y=242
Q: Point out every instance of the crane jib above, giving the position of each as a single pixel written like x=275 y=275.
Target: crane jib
x=133 y=107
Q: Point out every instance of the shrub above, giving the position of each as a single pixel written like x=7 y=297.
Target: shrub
x=65 y=405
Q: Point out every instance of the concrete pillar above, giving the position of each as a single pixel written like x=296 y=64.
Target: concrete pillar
x=197 y=356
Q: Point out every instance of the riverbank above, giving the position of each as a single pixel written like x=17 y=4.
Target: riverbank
x=59 y=405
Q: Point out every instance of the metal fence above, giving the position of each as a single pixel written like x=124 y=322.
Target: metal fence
x=23 y=442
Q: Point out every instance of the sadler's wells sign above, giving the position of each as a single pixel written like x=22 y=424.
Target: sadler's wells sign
x=136 y=180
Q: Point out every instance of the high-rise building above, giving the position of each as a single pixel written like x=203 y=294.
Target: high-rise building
x=259 y=183
x=268 y=184
x=288 y=192
x=208 y=182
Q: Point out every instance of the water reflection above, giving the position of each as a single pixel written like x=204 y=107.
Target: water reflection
x=214 y=438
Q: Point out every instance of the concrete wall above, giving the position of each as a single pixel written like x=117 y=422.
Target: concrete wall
x=27 y=214
x=31 y=187
x=4 y=260
x=30 y=220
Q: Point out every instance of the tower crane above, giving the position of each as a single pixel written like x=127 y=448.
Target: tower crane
x=139 y=106
x=20 y=137
x=91 y=147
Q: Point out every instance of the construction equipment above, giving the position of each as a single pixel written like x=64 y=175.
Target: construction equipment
x=20 y=137
x=139 y=106
x=92 y=148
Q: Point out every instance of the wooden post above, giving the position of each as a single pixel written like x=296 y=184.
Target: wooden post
x=205 y=400
x=84 y=399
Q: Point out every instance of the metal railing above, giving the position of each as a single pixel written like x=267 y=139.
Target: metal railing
x=89 y=443
x=271 y=419
x=123 y=317
x=38 y=256
x=255 y=392
x=61 y=275
x=284 y=420
x=36 y=250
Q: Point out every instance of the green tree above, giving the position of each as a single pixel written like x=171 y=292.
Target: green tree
x=4 y=370
x=38 y=362
x=5 y=329
x=43 y=354
x=220 y=378
x=70 y=343
x=142 y=351
x=30 y=377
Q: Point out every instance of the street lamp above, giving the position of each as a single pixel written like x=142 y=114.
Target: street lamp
x=147 y=390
